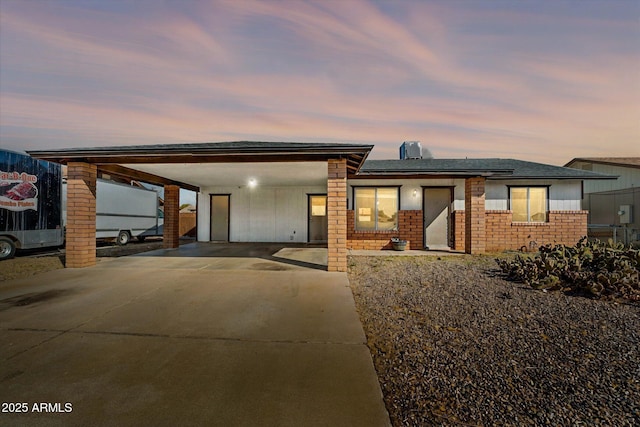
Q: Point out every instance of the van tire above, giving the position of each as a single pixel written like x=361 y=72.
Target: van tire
x=123 y=238
x=7 y=248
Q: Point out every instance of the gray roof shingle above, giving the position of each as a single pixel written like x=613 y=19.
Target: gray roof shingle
x=492 y=168
x=259 y=146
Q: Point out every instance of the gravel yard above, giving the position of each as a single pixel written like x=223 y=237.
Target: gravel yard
x=28 y=263
x=454 y=344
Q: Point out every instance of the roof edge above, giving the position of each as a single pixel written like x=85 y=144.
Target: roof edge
x=601 y=162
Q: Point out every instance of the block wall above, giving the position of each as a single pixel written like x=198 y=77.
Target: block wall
x=81 y=215
x=187 y=224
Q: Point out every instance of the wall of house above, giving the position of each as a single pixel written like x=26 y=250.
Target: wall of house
x=566 y=224
x=261 y=214
x=563 y=227
x=407 y=186
x=628 y=177
x=564 y=195
x=410 y=225
x=279 y=214
x=409 y=229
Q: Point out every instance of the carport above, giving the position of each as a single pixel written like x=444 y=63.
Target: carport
x=266 y=188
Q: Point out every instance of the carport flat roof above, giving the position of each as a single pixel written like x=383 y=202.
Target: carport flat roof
x=212 y=152
x=110 y=159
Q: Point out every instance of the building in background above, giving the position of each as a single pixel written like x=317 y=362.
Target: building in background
x=612 y=204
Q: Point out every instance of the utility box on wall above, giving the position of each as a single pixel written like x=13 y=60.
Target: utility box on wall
x=626 y=214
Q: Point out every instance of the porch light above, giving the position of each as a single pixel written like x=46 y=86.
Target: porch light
x=252 y=183
x=415 y=193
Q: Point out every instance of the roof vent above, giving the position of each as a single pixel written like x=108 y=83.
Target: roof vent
x=413 y=150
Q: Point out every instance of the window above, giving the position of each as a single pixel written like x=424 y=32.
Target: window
x=528 y=204
x=376 y=208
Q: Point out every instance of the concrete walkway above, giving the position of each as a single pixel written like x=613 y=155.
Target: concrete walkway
x=178 y=340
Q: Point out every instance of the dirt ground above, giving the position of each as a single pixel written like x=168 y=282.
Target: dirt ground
x=28 y=263
x=455 y=344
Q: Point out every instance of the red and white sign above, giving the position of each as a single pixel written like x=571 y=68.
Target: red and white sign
x=18 y=191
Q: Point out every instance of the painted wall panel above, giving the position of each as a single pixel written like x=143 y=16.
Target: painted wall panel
x=407 y=200
x=563 y=195
x=203 y=215
x=262 y=217
x=628 y=177
x=262 y=214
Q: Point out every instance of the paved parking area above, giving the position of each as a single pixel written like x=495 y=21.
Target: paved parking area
x=166 y=339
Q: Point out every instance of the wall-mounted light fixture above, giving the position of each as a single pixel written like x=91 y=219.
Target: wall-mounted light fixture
x=415 y=193
x=252 y=183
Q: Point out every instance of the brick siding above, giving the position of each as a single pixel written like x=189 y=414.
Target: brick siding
x=565 y=227
x=81 y=215
x=409 y=229
x=457 y=225
x=474 y=221
x=337 y=215
x=171 y=226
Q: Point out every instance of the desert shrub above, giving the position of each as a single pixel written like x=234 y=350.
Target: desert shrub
x=595 y=268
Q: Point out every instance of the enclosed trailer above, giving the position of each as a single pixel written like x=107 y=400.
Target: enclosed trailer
x=30 y=203
x=124 y=211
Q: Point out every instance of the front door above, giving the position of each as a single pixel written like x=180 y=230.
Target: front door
x=436 y=217
x=220 y=217
x=318 y=223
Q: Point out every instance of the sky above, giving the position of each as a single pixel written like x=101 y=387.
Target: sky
x=541 y=80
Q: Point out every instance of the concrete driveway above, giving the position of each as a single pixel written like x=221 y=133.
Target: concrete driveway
x=168 y=339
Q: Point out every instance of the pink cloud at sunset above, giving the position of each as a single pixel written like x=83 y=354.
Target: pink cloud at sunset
x=540 y=81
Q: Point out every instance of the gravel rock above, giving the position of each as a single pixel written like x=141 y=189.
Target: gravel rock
x=28 y=263
x=25 y=267
x=454 y=344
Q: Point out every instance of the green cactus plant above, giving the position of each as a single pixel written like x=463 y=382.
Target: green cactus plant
x=601 y=270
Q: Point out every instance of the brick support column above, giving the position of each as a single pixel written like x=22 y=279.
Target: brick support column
x=474 y=221
x=337 y=214
x=81 y=215
x=171 y=234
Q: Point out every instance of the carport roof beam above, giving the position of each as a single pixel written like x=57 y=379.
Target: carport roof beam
x=218 y=152
x=128 y=173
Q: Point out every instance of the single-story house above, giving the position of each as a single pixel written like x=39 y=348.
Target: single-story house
x=316 y=192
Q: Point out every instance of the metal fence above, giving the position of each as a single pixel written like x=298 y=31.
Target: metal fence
x=604 y=219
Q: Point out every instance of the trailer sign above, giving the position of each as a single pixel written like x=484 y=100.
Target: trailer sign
x=30 y=203
x=30 y=196
x=18 y=191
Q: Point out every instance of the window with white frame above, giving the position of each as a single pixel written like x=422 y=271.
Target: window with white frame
x=528 y=204
x=376 y=208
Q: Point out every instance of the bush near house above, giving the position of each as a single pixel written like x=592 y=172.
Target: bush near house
x=600 y=270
